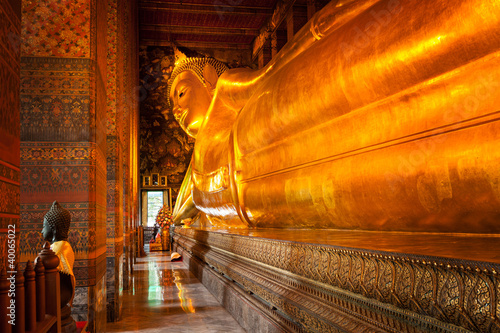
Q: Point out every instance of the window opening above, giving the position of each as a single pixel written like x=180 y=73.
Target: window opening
x=155 y=202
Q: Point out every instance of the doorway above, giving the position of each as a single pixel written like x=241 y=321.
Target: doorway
x=155 y=203
x=151 y=203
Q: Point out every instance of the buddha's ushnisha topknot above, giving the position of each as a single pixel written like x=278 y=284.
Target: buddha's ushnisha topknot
x=58 y=219
x=195 y=65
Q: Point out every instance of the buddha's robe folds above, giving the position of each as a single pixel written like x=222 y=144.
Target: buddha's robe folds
x=64 y=252
x=378 y=115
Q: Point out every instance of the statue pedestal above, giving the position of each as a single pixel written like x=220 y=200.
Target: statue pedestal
x=164 y=244
x=155 y=246
x=68 y=324
x=322 y=280
x=165 y=239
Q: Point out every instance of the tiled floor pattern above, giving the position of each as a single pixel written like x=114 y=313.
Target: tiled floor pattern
x=166 y=297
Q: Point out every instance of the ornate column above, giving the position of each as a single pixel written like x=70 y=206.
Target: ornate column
x=265 y=54
x=114 y=123
x=296 y=17
x=274 y=44
x=311 y=8
x=122 y=110
x=63 y=138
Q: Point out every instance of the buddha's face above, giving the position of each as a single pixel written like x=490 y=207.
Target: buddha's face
x=190 y=99
x=47 y=232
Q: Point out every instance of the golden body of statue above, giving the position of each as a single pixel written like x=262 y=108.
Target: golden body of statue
x=378 y=115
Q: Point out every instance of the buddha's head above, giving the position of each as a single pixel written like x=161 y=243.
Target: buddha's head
x=56 y=223
x=191 y=88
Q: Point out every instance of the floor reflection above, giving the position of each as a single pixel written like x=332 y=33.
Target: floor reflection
x=166 y=297
x=186 y=302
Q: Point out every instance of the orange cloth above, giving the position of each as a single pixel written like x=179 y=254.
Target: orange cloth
x=66 y=256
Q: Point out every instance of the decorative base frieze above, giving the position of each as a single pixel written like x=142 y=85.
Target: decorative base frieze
x=252 y=314
x=326 y=288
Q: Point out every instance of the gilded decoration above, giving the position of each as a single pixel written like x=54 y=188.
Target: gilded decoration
x=449 y=295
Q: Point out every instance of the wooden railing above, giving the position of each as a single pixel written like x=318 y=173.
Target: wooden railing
x=31 y=301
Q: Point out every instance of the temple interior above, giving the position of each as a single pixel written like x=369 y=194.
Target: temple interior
x=250 y=166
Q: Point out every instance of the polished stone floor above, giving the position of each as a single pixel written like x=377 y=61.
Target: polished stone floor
x=166 y=297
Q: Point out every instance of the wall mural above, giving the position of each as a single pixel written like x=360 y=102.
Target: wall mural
x=164 y=147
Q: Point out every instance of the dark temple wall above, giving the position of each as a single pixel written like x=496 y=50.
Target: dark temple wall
x=10 y=30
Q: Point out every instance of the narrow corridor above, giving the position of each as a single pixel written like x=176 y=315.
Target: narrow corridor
x=166 y=297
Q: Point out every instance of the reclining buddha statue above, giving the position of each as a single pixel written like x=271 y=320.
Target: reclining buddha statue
x=377 y=115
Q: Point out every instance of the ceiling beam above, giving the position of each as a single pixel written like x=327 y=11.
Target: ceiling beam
x=198 y=30
x=197 y=45
x=218 y=3
x=215 y=9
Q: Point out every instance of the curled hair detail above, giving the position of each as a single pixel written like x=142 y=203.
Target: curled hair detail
x=196 y=66
x=59 y=220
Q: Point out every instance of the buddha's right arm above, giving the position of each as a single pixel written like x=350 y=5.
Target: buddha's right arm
x=185 y=207
x=236 y=86
x=187 y=210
